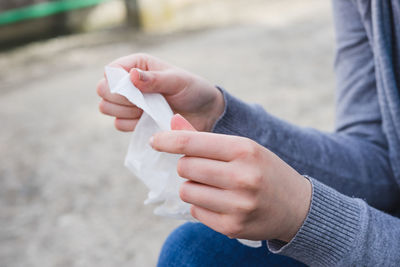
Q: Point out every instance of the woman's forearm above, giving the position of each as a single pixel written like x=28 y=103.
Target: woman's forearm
x=352 y=165
x=343 y=231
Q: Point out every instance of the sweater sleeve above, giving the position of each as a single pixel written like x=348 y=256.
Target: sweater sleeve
x=352 y=165
x=343 y=231
x=354 y=159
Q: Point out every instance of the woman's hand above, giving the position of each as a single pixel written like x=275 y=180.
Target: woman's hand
x=236 y=186
x=190 y=95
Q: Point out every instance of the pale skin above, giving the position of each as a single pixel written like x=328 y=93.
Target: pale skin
x=234 y=185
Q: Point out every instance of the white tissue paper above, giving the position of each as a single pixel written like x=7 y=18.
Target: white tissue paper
x=157 y=170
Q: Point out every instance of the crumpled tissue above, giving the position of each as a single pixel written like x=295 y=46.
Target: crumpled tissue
x=157 y=170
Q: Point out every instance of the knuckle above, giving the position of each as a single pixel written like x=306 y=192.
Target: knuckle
x=253 y=149
x=247 y=206
x=142 y=60
x=234 y=229
x=182 y=142
x=183 y=192
x=257 y=179
x=246 y=149
x=241 y=181
x=240 y=151
x=252 y=180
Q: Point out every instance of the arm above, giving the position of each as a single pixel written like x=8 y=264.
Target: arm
x=354 y=159
x=343 y=231
x=242 y=190
x=360 y=155
x=347 y=162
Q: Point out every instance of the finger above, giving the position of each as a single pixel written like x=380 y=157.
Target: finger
x=180 y=123
x=132 y=61
x=205 y=171
x=119 y=111
x=141 y=61
x=197 y=144
x=103 y=91
x=125 y=125
x=167 y=82
x=211 y=219
x=208 y=197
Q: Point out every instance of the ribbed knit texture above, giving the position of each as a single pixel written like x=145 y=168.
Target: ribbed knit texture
x=329 y=231
x=236 y=111
x=360 y=159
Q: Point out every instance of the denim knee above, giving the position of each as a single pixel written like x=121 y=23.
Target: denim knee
x=194 y=244
x=181 y=245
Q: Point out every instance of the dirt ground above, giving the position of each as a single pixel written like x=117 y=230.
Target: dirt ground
x=65 y=197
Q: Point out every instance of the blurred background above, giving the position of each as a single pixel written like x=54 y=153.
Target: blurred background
x=65 y=197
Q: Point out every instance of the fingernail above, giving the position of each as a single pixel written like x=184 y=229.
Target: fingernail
x=178 y=115
x=142 y=75
x=151 y=140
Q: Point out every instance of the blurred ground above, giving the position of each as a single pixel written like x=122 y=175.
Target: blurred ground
x=65 y=197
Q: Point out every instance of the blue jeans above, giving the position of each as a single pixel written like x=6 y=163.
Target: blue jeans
x=194 y=244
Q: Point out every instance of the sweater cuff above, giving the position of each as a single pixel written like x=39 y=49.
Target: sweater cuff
x=329 y=231
x=236 y=113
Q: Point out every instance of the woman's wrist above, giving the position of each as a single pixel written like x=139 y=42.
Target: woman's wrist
x=215 y=111
x=299 y=208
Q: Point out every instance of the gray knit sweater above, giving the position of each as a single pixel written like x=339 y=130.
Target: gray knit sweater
x=353 y=219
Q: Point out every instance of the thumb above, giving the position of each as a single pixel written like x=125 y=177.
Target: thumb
x=180 y=123
x=163 y=82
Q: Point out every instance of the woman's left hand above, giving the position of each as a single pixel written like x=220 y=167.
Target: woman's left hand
x=235 y=186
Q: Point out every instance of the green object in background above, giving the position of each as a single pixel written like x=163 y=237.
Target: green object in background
x=44 y=9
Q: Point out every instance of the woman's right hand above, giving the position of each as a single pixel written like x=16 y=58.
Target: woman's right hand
x=193 y=97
